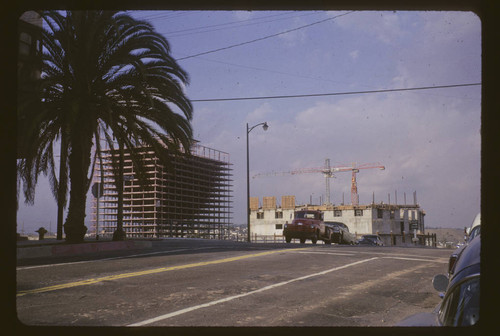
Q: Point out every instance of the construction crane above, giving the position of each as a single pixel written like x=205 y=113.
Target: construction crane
x=328 y=172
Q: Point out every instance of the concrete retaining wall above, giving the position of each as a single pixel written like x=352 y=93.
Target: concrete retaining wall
x=78 y=249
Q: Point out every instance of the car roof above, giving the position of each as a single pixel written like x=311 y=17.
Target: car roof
x=477 y=221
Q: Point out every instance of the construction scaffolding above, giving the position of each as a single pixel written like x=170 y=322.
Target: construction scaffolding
x=191 y=200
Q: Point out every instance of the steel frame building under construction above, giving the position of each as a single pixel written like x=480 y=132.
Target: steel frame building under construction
x=192 y=200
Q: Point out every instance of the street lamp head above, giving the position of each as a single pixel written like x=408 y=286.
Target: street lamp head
x=265 y=126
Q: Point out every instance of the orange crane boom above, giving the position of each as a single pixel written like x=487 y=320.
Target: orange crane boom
x=328 y=172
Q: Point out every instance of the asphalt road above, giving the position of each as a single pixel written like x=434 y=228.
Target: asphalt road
x=182 y=282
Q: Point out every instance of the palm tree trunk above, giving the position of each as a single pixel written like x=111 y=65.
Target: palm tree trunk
x=119 y=234
x=79 y=163
x=63 y=185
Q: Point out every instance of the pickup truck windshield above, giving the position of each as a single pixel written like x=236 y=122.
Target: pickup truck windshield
x=304 y=214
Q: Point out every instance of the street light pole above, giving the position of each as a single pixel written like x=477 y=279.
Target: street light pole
x=248 y=190
x=265 y=127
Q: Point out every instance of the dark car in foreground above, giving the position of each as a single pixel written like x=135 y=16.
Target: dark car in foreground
x=371 y=239
x=473 y=232
x=460 y=305
x=340 y=233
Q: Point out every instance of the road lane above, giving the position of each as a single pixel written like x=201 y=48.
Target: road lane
x=112 y=258
x=369 y=294
x=141 y=273
x=279 y=287
x=276 y=285
x=30 y=277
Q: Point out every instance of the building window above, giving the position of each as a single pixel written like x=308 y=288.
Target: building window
x=260 y=215
x=279 y=226
x=337 y=213
x=392 y=214
x=380 y=213
x=358 y=212
x=278 y=214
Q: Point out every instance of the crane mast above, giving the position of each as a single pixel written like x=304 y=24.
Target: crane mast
x=328 y=174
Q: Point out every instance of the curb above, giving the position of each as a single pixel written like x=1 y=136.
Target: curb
x=78 y=249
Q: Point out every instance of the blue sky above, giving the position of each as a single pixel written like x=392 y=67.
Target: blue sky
x=429 y=140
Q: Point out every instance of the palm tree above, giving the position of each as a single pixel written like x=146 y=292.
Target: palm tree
x=37 y=135
x=104 y=69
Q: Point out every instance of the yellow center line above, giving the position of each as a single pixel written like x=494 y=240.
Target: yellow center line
x=147 y=272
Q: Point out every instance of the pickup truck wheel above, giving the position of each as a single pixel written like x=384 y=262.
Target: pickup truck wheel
x=315 y=238
x=288 y=239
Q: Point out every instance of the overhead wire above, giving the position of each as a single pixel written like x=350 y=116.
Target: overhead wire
x=273 y=71
x=337 y=93
x=231 y=25
x=225 y=23
x=303 y=95
x=256 y=19
x=263 y=38
x=298 y=75
x=165 y=15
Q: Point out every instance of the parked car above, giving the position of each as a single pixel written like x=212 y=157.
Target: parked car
x=460 y=305
x=340 y=233
x=370 y=239
x=471 y=233
x=475 y=228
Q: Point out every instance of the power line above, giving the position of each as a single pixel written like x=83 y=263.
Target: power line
x=263 y=38
x=233 y=25
x=164 y=15
x=336 y=93
x=222 y=24
x=274 y=71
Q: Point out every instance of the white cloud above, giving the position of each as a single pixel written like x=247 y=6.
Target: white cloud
x=259 y=114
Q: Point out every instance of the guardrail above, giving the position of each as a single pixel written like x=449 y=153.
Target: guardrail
x=389 y=239
x=267 y=238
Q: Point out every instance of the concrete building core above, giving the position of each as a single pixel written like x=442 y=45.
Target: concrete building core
x=384 y=219
x=193 y=199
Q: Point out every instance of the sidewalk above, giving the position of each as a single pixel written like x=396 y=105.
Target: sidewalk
x=52 y=247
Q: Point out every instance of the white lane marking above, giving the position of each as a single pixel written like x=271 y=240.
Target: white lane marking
x=383 y=255
x=114 y=258
x=212 y=303
x=441 y=260
x=387 y=253
x=333 y=253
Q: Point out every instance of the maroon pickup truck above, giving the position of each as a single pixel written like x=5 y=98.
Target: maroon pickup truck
x=307 y=224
